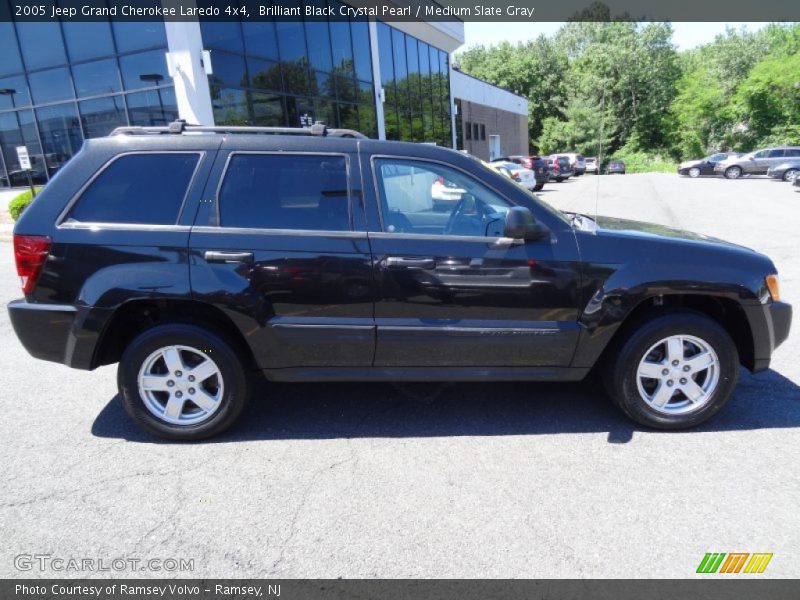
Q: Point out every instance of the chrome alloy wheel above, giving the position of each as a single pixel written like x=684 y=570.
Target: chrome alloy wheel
x=678 y=375
x=180 y=385
x=694 y=172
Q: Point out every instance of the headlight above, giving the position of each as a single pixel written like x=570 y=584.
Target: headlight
x=773 y=287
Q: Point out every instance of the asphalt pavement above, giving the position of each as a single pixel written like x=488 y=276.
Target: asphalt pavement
x=450 y=480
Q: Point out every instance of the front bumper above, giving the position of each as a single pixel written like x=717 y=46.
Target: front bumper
x=770 y=325
x=59 y=333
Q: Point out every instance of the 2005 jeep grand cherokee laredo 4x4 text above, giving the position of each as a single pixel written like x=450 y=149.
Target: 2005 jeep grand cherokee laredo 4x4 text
x=198 y=257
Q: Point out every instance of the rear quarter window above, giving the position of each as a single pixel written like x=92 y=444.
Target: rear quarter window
x=138 y=188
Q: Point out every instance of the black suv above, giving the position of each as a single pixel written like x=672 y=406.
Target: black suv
x=199 y=257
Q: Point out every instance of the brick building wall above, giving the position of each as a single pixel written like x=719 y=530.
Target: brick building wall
x=511 y=127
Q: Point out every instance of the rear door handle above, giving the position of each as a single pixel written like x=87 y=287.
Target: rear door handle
x=214 y=256
x=403 y=261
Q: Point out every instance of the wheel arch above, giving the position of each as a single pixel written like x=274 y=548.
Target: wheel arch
x=136 y=316
x=726 y=312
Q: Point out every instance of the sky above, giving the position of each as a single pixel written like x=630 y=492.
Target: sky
x=686 y=35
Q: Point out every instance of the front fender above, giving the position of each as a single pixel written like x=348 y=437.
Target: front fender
x=637 y=271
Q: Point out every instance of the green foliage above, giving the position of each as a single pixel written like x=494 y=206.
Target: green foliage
x=621 y=84
x=637 y=161
x=20 y=203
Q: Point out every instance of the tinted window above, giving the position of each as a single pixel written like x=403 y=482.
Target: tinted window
x=776 y=153
x=319 y=45
x=14 y=92
x=41 y=44
x=88 y=40
x=362 y=57
x=96 y=78
x=260 y=39
x=102 y=115
x=285 y=192
x=793 y=152
x=222 y=34
x=9 y=50
x=50 y=86
x=138 y=188
x=60 y=133
x=143 y=70
x=429 y=198
x=154 y=107
x=138 y=36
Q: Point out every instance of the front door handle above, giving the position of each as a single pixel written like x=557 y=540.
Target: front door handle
x=404 y=261
x=214 y=256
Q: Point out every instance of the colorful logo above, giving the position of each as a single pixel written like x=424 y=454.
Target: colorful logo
x=734 y=562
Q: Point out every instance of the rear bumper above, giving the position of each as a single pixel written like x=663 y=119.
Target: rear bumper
x=770 y=325
x=59 y=333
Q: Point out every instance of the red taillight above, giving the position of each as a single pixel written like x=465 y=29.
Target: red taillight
x=30 y=253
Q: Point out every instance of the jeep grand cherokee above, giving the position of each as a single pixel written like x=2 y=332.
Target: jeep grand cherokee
x=198 y=258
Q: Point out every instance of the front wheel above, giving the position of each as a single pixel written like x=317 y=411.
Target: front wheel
x=673 y=371
x=182 y=382
x=790 y=174
x=694 y=172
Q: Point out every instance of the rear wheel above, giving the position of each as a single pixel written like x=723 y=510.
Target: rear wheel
x=673 y=371
x=182 y=382
x=733 y=172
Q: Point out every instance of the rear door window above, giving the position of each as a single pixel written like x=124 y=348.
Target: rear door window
x=144 y=189
x=294 y=191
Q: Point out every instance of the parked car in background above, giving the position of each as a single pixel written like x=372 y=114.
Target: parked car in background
x=615 y=167
x=705 y=166
x=537 y=165
x=786 y=170
x=592 y=165
x=520 y=174
x=577 y=162
x=564 y=168
x=756 y=163
x=445 y=194
x=553 y=170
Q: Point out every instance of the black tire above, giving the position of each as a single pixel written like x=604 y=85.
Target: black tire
x=733 y=173
x=620 y=373
x=235 y=392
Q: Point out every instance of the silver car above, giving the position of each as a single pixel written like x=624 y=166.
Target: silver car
x=786 y=170
x=756 y=163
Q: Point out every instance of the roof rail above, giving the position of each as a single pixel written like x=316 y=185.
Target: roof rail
x=180 y=126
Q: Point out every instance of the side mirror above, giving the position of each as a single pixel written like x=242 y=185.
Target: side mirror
x=520 y=225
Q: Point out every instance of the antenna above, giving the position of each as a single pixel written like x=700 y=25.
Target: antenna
x=600 y=150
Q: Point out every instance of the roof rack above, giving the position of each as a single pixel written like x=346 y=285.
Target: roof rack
x=180 y=126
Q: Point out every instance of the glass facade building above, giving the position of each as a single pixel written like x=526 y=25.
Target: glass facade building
x=292 y=73
x=61 y=83
x=416 y=81
x=64 y=82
